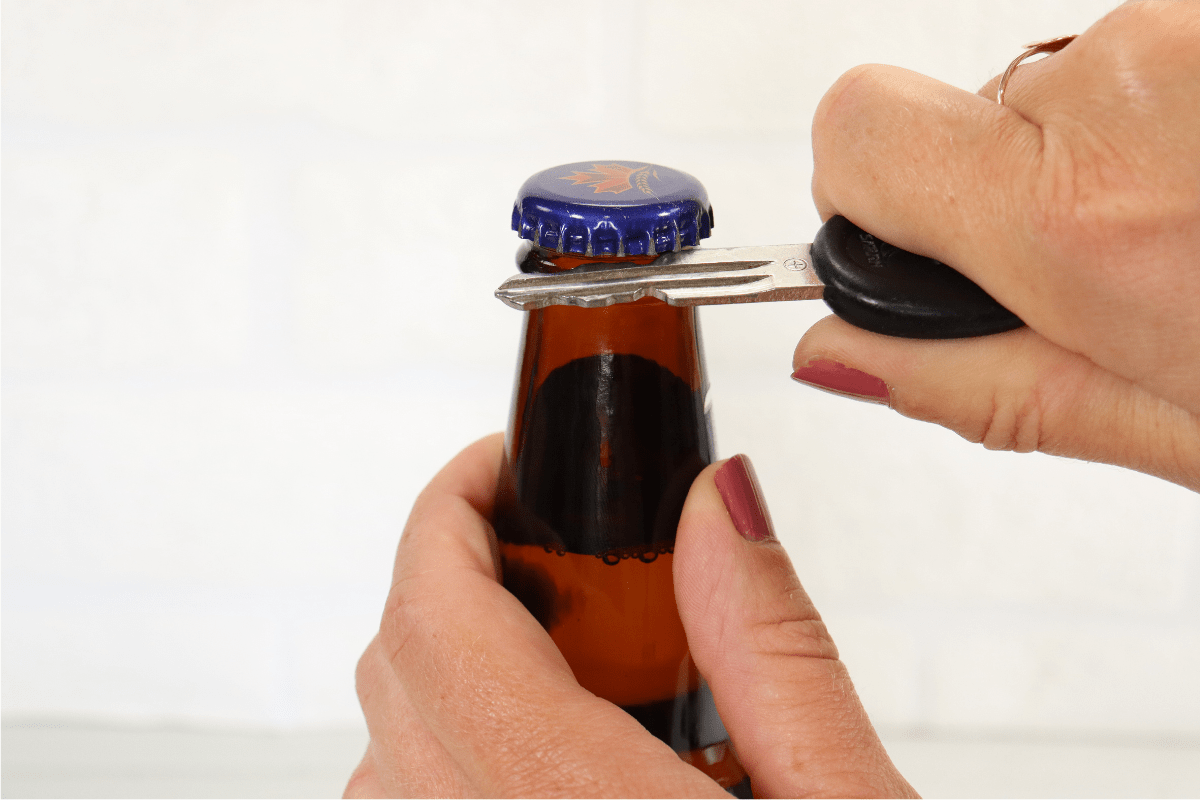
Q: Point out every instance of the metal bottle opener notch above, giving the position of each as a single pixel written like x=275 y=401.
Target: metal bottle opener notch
x=864 y=280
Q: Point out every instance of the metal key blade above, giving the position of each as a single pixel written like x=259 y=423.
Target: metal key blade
x=684 y=278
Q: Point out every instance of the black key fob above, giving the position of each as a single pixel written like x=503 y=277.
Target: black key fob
x=881 y=288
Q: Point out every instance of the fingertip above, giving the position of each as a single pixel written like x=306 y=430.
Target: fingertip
x=837 y=378
x=834 y=339
x=474 y=473
x=933 y=380
x=365 y=781
x=729 y=565
x=857 y=85
x=737 y=484
x=700 y=543
x=704 y=541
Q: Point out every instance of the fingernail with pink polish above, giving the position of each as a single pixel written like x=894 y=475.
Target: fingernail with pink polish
x=840 y=379
x=739 y=489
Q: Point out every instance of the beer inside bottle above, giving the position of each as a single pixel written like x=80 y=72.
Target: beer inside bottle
x=609 y=427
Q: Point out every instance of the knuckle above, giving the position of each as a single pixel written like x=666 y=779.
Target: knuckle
x=862 y=76
x=1113 y=163
x=1079 y=211
x=365 y=675
x=1014 y=423
x=797 y=637
x=405 y=614
x=1185 y=450
x=848 y=92
x=363 y=779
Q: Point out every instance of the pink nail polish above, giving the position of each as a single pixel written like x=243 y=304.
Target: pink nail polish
x=739 y=489
x=840 y=379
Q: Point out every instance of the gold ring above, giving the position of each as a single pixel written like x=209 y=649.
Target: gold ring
x=1048 y=46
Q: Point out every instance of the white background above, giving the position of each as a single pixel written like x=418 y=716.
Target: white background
x=249 y=251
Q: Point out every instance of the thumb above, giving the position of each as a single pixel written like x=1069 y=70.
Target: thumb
x=1012 y=391
x=786 y=700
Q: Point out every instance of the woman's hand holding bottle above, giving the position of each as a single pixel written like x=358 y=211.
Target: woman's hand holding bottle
x=465 y=693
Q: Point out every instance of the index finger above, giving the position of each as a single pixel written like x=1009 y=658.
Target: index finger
x=930 y=168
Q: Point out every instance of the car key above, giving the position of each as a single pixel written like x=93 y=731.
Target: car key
x=864 y=280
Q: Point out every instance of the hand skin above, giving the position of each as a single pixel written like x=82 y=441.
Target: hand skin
x=1076 y=205
x=465 y=694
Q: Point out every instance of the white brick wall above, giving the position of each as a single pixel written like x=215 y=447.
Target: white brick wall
x=249 y=249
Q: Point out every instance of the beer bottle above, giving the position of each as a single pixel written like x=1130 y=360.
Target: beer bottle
x=608 y=428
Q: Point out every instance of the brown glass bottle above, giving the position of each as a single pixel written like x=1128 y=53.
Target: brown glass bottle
x=607 y=431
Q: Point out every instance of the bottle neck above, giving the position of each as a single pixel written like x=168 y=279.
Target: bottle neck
x=650 y=328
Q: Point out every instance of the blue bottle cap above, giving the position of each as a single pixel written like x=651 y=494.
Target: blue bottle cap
x=612 y=208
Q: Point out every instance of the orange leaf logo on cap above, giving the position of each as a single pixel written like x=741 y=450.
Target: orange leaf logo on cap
x=613 y=178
